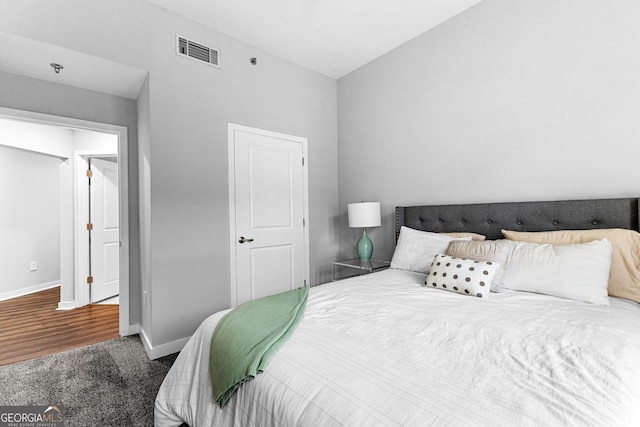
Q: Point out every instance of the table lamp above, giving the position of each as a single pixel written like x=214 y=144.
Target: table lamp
x=365 y=214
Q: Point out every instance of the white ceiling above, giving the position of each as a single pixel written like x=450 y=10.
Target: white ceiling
x=332 y=37
x=31 y=58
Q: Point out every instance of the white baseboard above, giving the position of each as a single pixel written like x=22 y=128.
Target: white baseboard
x=133 y=329
x=29 y=290
x=162 y=349
x=66 y=305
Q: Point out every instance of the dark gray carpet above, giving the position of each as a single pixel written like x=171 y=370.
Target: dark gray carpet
x=107 y=384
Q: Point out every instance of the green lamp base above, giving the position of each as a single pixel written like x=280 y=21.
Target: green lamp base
x=364 y=247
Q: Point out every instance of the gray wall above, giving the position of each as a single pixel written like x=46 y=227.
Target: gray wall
x=27 y=94
x=508 y=101
x=186 y=252
x=30 y=221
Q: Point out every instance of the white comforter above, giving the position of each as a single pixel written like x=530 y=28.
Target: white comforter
x=382 y=350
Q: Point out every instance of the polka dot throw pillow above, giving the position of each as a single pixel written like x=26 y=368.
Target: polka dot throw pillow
x=464 y=276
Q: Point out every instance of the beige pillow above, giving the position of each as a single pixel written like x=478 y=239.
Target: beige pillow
x=624 y=275
x=488 y=250
x=462 y=234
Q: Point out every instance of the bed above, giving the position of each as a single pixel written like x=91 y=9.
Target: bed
x=386 y=349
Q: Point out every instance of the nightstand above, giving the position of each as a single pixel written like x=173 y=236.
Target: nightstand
x=358 y=267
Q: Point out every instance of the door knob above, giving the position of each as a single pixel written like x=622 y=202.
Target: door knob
x=242 y=240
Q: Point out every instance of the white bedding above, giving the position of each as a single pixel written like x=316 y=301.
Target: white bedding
x=383 y=350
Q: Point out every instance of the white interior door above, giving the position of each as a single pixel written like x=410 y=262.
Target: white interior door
x=269 y=238
x=105 y=240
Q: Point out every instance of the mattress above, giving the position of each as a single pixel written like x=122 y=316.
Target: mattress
x=381 y=350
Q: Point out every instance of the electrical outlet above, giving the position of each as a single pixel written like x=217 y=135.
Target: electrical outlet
x=33 y=266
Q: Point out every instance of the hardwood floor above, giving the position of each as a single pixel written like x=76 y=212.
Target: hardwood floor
x=30 y=326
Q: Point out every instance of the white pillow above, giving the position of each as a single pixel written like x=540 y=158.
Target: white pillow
x=579 y=271
x=416 y=249
x=464 y=276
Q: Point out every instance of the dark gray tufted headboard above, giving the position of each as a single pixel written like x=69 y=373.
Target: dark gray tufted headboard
x=490 y=218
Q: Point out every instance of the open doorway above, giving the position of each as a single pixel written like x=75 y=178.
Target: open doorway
x=75 y=268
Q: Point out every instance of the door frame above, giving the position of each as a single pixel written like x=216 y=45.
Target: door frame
x=69 y=244
x=231 y=129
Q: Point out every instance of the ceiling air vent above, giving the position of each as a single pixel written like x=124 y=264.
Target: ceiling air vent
x=198 y=51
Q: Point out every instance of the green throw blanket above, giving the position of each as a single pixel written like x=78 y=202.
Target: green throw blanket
x=247 y=337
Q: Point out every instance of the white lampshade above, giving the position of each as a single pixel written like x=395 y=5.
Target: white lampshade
x=365 y=214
